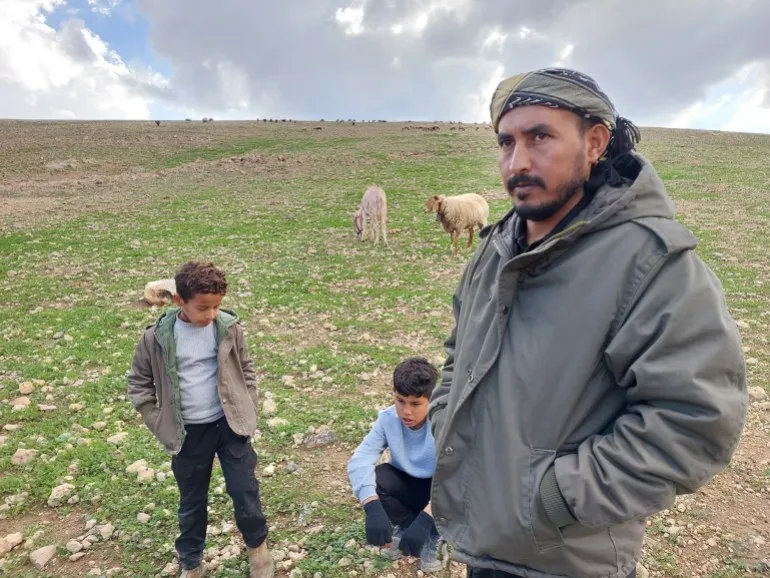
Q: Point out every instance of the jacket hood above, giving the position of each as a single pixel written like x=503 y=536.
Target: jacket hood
x=165 y=323
x=639 y=194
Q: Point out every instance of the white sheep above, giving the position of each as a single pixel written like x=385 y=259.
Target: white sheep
x=373 y=208
x=459 y=213
x=160 y=292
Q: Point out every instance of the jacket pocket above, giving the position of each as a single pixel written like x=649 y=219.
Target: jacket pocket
x=546 y=535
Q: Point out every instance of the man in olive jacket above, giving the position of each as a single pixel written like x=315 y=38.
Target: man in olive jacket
x=594 y=371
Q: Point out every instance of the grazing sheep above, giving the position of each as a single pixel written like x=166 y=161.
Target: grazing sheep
x=373 y=207
x=159 y=292
x=458 y=213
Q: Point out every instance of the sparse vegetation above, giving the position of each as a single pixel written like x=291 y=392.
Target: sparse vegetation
x=90 y=212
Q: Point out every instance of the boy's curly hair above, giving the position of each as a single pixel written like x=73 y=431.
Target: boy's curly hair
x=196 y=277
x=415 y=376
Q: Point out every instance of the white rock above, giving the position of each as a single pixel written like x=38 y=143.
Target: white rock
x=3 y=439
x=269 y=470
x=23 y=457
x=143 y=518
x=269 y=407
x=106 y=531
x=76 y=557
x=145 y=475
x=10 y=542
x=74 y=546
x=136 y=466
x=26 y=387
x=59 y=493
x=42 y=556
x=22 y=401
x=90 y=523
x=160 y=476
x=758 y=394
x=170 y=569
x=99 y=425
x=118 y=438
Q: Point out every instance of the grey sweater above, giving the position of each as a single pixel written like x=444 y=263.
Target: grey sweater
x=196 y=357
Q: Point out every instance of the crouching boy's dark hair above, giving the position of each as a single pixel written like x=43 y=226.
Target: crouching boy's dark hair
x=415 y=376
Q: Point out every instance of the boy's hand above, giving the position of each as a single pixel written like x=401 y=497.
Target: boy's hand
x=415 y=536
x=378 y=530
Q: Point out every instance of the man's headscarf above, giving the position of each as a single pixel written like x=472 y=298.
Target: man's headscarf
x=568 y=90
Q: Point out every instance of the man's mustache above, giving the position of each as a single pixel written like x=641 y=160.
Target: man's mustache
x=522 y=181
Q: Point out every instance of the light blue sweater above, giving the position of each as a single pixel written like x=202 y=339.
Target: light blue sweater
x=411 y=451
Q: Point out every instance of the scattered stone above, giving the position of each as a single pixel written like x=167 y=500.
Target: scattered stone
x=59 y=493
x=136 y=466
x=3 y=439
x=74 y=546
x=268 y=406
x=45 y=407
x=106 y=531
x=22 y=402
x=269 y=470
x=118 y=438
x=758 y=394
x=171 y=569
x=90 y=524
x=99 y=425
x=76 y=557
x=344 y=562
x=143 y=517
x=22 y=457
x=26 y=388
x=160 y=476
x=42 y=556
x=145 y=475
x=10 y=542
x=76 y=407
x=12 y=427
x=324 y=437
x=274 y=422
x=642 y=572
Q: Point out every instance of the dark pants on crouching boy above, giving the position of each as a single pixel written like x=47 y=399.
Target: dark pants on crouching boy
x=489 y=573
x=192 y=467
x=403 y=497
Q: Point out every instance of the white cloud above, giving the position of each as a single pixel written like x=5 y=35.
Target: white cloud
x=752 y=114
x=66 y=73
x=104 y=7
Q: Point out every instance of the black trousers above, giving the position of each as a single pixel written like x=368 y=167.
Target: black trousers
x=403 y=497
x=488 y=573
x=192 y=468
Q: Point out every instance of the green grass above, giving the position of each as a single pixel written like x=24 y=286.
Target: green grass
x=285 y=240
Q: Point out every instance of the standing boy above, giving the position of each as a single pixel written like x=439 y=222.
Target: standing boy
x=399 y=492
x=193 y=382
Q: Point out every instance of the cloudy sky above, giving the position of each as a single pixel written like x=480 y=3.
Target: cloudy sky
x=680 y=63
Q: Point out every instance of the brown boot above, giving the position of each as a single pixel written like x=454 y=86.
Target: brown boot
x=261 y=563
x=197 y=572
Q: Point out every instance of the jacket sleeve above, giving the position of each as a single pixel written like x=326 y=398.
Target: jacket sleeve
x=361 y=465
x=679 y=355
x=141 y=382
x=247 y=366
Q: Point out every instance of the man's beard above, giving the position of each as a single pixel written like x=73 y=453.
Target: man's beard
x=565 y=193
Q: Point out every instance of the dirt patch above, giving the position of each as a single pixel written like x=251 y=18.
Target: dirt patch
x=59 y=529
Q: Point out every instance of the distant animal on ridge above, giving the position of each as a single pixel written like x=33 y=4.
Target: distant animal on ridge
x=458 y=213
x=373 y=208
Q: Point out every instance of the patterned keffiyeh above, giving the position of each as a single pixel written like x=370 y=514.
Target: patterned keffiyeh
x=568 y=90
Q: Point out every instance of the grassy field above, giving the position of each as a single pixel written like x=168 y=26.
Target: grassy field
x=89 y=212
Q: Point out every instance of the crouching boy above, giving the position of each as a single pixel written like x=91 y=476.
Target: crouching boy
x=398 y=492
x=193 y=382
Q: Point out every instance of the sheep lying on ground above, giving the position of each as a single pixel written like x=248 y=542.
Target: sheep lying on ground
x=160 y=292
x=373 y=208
x=458 y=213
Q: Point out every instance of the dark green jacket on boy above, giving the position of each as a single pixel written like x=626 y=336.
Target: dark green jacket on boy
x=153 y=383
